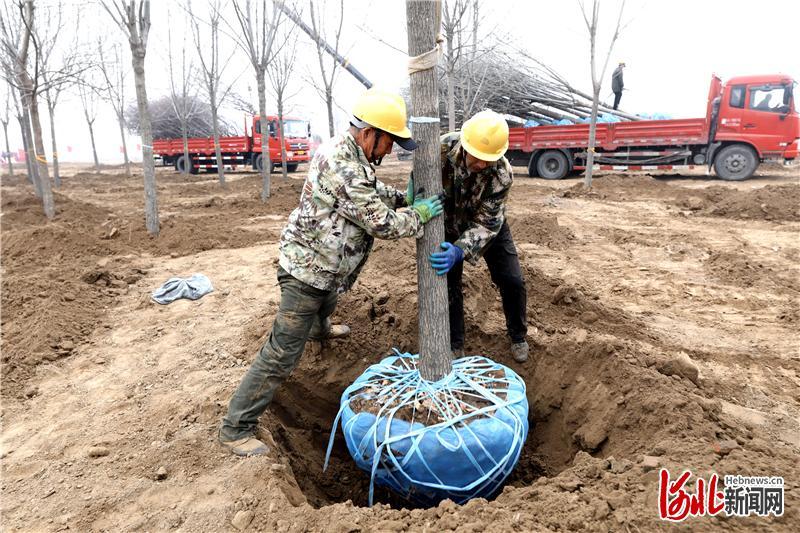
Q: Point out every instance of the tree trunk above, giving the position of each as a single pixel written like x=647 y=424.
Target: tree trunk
x=44 y=175
x=8 y=150
x=217 y=151
x=281 y=139
x=56 y=174
x=434 y=330
x=451 y=90
x=121 y=121
x=94 y=146
x=592 y=135
x=146 y=130
x=266 y=162
x=185 y=135
x=329 y=105
x=27 y=144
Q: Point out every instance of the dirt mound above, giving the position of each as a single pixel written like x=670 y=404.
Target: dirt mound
x=619 y=188
x=541 y=229
x=742 y=270
x=61 y=276
x=771 y=202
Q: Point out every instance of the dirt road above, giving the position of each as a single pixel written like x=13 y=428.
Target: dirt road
x=663 y=318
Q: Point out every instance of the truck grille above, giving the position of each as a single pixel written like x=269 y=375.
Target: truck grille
x=298 y=146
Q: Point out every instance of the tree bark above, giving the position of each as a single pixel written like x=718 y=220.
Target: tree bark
x=451 y=90
x=185 y=135
x=266 y=162
x=217 y=151
x=56 y=174
x=25 y=129
x=121 y=121
x=41 y=161
x=8 y=150
x=146 y=130
x=94 y=146
x=329 y=105
x=434 y=329
x=282 y=140
x=592 y=139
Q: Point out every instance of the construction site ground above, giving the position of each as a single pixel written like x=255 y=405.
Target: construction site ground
x=663 y=312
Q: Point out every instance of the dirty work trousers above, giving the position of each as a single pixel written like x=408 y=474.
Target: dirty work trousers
x=303 y=313
x=617 y=98
x=501 y=258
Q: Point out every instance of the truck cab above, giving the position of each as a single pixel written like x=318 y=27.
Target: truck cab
x=760 y=112
x=296 y=138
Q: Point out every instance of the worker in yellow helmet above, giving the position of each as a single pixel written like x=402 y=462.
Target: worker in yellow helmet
x=343 y=208
x=477 y=179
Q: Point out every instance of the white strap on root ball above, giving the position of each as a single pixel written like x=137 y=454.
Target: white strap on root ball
x=457 y=438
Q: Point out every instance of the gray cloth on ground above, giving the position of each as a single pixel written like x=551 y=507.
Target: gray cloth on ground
x=175 y=288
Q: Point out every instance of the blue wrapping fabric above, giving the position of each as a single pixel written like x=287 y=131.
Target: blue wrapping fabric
x=173 y=289
x=468 y=454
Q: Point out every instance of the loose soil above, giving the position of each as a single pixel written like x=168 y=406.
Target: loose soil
x=663 y=328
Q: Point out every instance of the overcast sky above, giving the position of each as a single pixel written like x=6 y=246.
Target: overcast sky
x=671 y=49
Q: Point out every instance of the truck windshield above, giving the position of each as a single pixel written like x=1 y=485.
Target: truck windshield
x=295 y=128
x=769 y=98
x=796 y=89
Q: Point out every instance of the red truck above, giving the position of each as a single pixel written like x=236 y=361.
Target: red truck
x=749 y=120
x=240 y=151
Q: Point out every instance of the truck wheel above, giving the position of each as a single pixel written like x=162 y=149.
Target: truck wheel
x=735 y=162
x=181 y=165
x=292 y=167
x=259 y=164
x=552 y=165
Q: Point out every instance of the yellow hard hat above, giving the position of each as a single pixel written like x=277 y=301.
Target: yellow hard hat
x=385 y=111
x=485 y=136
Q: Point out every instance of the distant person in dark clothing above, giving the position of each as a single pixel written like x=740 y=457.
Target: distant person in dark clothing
x=617 y=84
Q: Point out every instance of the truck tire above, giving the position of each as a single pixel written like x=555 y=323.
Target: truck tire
x=552 y=165
x=181 y=165
x=735 y=162
x=292 y=167
x=259 y=164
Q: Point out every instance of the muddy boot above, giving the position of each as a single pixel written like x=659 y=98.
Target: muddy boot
x=519 y=350
x=246 y=447
x=325 y=331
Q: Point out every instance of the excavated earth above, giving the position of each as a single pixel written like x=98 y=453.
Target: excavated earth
x=663 y=315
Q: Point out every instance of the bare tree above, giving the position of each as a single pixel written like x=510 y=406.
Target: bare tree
x=453 y=16
x=259 y=27
x=5 y=118
x=208 y=48
x=182 y=95
x=17 y=41
x=114 y=91
x=280 y=73
x=133 y=18
x=59 y=66
x=597 y=80
x=87 y=87
x=327 y=76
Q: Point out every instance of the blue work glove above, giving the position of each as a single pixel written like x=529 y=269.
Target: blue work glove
x=427 y=208
x=442 y=262
x=410 y=191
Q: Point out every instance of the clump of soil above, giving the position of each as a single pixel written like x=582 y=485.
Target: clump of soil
x=541 y=229
x=379 y=398
x=771 y=202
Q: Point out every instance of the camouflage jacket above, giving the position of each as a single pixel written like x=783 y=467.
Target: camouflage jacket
x=343 y=206
x=475 y=203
